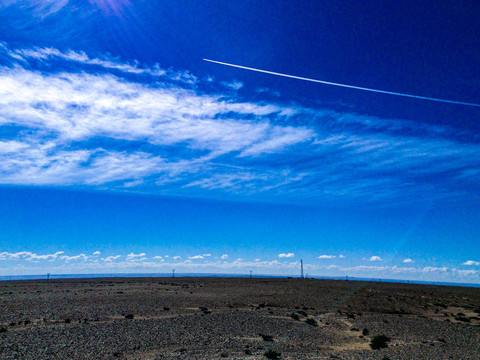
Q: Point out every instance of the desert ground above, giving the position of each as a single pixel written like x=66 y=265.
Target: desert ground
x=236 y=318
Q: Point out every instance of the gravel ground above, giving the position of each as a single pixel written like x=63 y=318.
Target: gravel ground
x=220 y=318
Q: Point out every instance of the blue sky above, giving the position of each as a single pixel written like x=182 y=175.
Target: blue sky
x=121 y=150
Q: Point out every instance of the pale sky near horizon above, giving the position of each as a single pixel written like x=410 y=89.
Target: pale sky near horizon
x=121 y=150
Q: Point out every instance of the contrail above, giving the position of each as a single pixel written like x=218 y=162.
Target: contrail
x=346 y=86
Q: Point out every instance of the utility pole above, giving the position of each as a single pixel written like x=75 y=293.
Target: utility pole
x=173 y=273
x=250 y=274
x=301 y=269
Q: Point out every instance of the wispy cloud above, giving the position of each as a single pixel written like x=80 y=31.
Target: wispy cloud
x=286 y=255
x=48 y=54
x=234 y=85
x=40 y=8
x=195 y=257
x=327 y=257
x=125 y=125
x=224 y=256
x=375 y=258
x=408 y=261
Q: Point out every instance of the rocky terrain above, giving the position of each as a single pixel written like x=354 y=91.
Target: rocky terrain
x=234 y=318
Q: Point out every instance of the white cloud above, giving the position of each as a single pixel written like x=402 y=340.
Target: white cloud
x=11 y=146
x=224 y=256
x=106 y=63
x=157 y=257
x=193 y=140
x=398 y=272
x=234 y=85
x=269 y=91
x=111 y=258
x=240 y=266
x=408 y=261
x=471 y=263
x=206 y=255
x=176 y=257
x=136 y=257
x=74 y=258
x=236 y=266
x=27 y=255
x=286 y=255
x=341 y=256
x=375 y=258
x=326 y=256
x=196 y=257
x=78 y=106
x=282 y=138
x=39 y=8
x=432 y=269
x=96 y=253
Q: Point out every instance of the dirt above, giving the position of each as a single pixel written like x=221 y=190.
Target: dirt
x=235 y=318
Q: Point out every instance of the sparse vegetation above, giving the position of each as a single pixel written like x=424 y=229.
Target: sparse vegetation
x=232 y=302
x=272 y=354
x=379 y=342
x=295 y=316
x=266 y=337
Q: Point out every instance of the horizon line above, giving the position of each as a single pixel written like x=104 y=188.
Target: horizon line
x=31 y=277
